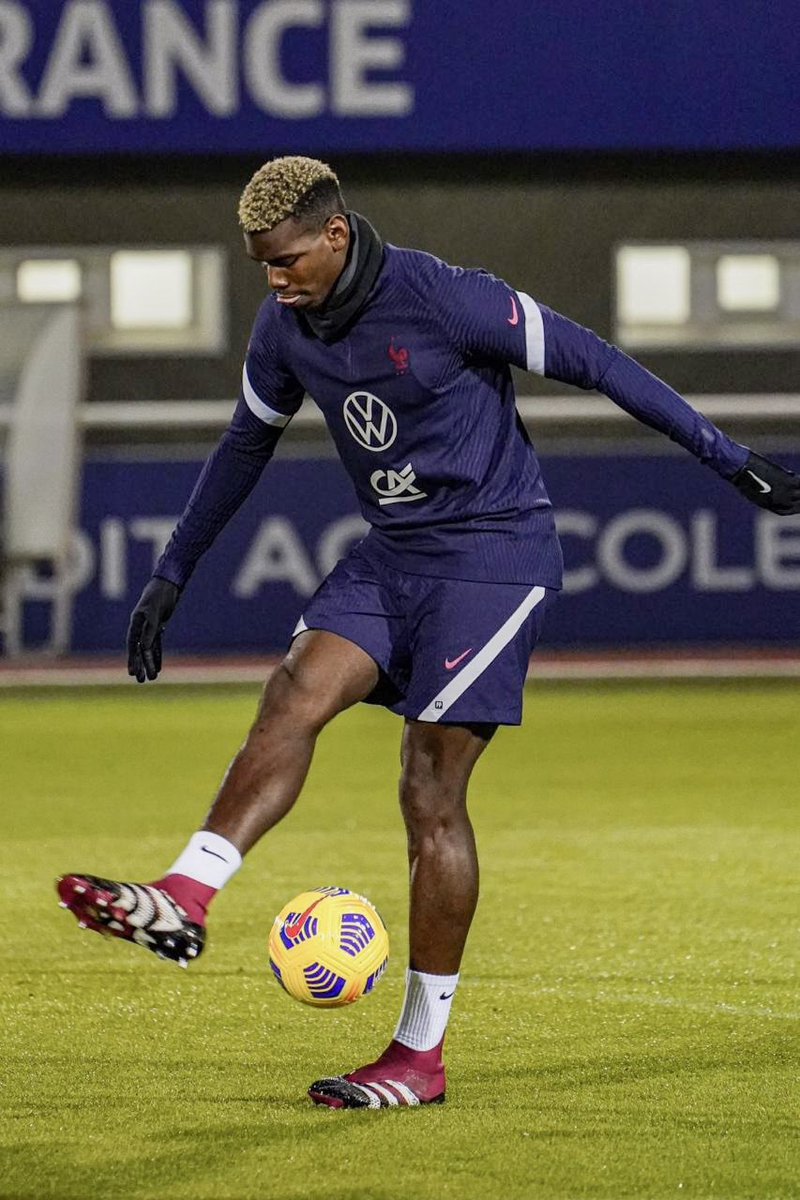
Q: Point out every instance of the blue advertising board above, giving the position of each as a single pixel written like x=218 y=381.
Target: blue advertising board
x=330 y=76
x=658 y=550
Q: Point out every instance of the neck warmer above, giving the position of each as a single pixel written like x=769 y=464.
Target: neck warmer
x=348 y=297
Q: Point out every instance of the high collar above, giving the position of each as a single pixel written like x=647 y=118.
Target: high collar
x=364 y=261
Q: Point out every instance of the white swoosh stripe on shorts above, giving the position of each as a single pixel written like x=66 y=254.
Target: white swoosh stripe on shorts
x=483 y=659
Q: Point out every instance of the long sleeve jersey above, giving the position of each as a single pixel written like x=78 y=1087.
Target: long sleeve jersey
x=419 y=400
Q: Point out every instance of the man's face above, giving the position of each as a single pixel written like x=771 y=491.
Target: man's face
x=302 y=265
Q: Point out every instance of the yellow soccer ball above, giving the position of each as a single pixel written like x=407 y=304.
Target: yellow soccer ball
x=328 y=947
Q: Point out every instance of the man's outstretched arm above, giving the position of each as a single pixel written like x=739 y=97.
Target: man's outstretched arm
x=226 y=480
x=485 y=316
x=573 y=354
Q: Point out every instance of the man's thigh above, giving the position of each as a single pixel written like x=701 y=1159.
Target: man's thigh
x=366 y=605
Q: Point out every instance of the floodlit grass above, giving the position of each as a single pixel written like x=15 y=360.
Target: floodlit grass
x=627 y=1024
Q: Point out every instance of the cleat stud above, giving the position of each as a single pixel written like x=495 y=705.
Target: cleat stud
x=192 y=951
x=79 y=889
x=182 y=963
x=62 y=904
x=101 y=902
x=82 y=925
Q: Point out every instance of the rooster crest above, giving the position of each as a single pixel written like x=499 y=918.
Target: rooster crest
x=400 y=357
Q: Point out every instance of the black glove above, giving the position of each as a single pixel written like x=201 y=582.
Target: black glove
x=156 y=606
x=769 y=486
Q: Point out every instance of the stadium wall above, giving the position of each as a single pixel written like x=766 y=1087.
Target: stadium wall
x=548 y=224
x=657 y=552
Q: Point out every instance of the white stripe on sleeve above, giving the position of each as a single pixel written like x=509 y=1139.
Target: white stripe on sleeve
x=270 y=416
x=483 y=659
x=534 y=334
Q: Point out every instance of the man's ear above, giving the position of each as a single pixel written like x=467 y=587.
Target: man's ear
x=338 y=231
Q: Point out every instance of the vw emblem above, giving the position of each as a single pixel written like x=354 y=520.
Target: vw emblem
x=371 y=422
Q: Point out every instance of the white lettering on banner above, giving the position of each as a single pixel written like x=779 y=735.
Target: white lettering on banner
x=707 y=574
x=171 y=43
x=155 y=530
x=222 y=62
x=663 y=529
x=355 y=53
x=276 y=555
x=262 y=64
x=16 y=39
x=569 y=522
x=113 y=559
x=78 y=571
x=87 y=59
x=337 y=540
x=778 y=551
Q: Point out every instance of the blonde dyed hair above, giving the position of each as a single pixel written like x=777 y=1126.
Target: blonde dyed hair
x=283 y=188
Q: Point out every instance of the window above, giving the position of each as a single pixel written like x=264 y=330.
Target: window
x=151 y=289
x=708 y=295
x=653 y=284
x=135 y=299
x=748 y=282
x=48 y=280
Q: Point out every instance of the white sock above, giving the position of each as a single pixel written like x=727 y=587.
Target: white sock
x=208 y=858
x=426 y=1009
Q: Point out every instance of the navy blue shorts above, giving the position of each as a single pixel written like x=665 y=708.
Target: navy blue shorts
x=449 y=650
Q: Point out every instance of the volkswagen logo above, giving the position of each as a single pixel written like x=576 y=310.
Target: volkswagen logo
x=371 y=422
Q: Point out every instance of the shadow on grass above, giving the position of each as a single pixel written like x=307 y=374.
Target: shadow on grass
x=293 y=1162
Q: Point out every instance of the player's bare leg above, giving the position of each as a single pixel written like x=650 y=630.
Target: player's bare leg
x=443 y=861
x=322 y=675
x=437 y=763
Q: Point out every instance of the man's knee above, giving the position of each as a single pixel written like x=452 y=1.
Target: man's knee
x=428 y=799
x=319 y=677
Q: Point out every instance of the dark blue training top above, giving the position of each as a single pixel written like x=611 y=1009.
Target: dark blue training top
x=419 y=400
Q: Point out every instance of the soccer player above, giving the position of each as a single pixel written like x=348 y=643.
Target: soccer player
x=435 y=613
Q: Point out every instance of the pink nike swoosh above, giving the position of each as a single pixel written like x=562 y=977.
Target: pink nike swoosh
x=451 y=663
x=293 y=928
x=514 y=318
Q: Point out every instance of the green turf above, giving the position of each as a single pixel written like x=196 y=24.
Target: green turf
x=628 y=1020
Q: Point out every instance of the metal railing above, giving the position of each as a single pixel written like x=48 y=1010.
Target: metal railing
x=165 y=415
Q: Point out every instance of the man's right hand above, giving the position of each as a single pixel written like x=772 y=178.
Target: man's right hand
x=156 y=606
x=769 y=485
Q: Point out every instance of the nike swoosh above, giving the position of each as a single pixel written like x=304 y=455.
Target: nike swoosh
x=446 y=995
x=296 y=927
x=451 y=663
x=222 y=856
x=765 y=487
x=514 y=318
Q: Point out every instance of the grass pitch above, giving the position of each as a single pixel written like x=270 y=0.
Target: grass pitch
x=627 y=1024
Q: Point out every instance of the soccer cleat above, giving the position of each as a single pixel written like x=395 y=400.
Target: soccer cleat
x=401 y=1078
x=137 y=912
